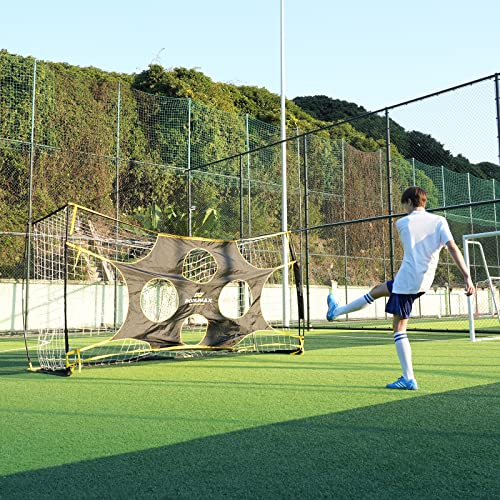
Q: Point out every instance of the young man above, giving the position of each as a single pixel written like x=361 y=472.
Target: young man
x=423 y=235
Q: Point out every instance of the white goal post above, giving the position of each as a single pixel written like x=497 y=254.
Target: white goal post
x=479 y=264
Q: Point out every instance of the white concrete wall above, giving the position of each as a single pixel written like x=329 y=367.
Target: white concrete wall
x=436 y=303
x=91 y=305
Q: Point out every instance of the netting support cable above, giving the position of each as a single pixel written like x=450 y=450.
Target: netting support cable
x=341 y=122
x=394 y=215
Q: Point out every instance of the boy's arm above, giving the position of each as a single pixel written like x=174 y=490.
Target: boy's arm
x=460 y=263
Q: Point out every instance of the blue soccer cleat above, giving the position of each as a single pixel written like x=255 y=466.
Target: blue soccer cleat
x=332 y=305
x=404 y=384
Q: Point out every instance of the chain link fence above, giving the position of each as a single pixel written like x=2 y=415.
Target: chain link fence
x=178 y=166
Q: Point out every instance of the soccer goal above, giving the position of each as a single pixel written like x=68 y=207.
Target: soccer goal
x=107 y=291
x=482 y=257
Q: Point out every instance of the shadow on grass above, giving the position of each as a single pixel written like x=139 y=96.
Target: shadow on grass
x=438 y=446
x=13 y=363
x=342 y=339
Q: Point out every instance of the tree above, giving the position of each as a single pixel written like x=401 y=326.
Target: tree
x=171 y=220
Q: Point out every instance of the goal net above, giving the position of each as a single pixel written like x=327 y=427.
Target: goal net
x=108 y=291
x=482 y=257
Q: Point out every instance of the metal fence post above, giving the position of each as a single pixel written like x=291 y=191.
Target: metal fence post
x=306 y=224
x=117 y=158
x=470 y=201
x=472 y=264
x=249 y=202
x=241 y=196
x=384 y=256
x=29 y=226
x=299 y=193
x=189 y=187
x=447 y=254
x=497 y=101
x=389 y=186
x=495 y=221
x=117 y=201
x=242 y=298
x=344 y=214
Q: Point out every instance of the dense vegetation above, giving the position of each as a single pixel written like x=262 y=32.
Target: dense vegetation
x=75 y=133
x=90 y=125
x=258 y=102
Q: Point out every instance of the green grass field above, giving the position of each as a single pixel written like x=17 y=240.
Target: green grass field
x=320 y=425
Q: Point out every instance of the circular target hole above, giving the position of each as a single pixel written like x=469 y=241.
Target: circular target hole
x=159 y=300
x=235 y=299
x=199 y=266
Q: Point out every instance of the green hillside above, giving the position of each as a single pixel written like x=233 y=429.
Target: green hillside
x=258 y=102
x=81 y=111
x=140 y=144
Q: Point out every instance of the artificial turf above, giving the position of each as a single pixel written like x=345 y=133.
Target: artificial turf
x=320 y=425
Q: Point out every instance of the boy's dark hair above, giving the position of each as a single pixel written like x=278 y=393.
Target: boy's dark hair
x=416 y=195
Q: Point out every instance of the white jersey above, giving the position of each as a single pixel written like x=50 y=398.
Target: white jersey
x=423 y=235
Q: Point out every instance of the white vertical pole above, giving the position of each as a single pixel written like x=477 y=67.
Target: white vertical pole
x=470 y=309
x=284 y=197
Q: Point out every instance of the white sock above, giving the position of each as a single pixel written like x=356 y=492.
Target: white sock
x=403 y=349
x=355 y=305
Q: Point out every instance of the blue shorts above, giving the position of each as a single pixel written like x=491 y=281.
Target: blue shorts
x=400 y=303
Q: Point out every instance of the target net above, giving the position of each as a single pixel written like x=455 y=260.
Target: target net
x=107 y=291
